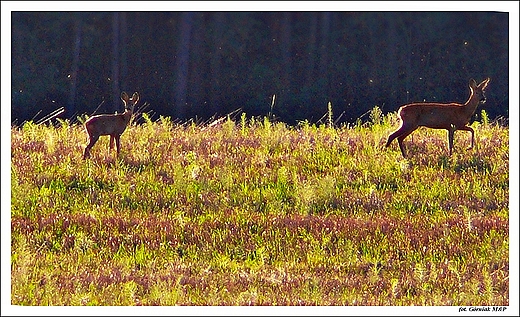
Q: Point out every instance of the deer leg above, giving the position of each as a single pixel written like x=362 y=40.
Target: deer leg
x=451 y=134
x=402 y=130
x=111 y=142
x=118 y=144
x=394 y=135
x=401 y=134
x=93 y=140
x=470 y=129
x=400 y=141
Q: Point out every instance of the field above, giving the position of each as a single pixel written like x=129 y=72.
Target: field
x=254 y=212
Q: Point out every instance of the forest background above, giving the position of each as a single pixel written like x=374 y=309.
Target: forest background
x=200 y=64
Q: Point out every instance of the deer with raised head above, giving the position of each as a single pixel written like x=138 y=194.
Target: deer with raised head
x=110 y=124
x=449 y=116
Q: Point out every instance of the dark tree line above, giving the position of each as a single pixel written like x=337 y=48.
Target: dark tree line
x=200 y=64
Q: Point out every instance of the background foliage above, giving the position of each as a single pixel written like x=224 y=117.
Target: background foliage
x=198 y=64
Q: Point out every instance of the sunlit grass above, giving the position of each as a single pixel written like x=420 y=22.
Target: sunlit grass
x=259 y=213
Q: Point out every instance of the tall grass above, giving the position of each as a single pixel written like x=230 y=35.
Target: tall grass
x=259 y=213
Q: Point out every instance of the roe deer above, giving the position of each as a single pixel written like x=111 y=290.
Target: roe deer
x=449 y=116
x=110 y=124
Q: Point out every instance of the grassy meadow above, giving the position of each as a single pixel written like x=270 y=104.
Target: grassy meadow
x=255 y=212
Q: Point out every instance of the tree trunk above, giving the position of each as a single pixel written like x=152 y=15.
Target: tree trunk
x=311 y=49
x=123 y=30
x=324 y=55
x=216 y=62
x=115 y=62
x=195 y=94
x=285 y=47
x=182 y=63
x=393 y=57
x=71 y=104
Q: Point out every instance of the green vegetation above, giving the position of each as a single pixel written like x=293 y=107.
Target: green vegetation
x=258 y=213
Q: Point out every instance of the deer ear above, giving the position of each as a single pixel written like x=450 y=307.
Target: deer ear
x=472 y=83
x=484 y=84
x=124 y=96
x=135 y=97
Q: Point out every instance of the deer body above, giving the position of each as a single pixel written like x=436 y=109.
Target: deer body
x=110 y=124
x=448 y=116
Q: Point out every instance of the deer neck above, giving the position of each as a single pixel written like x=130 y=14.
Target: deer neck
x=127 y=115
x=471 y=105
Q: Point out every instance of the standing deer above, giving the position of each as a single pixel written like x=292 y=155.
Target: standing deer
x=449 y=116
x=110 y=124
